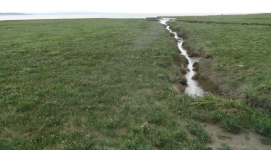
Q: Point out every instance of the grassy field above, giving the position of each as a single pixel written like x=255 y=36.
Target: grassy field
x=105 y=84
x=264 y=19
x=237 y=56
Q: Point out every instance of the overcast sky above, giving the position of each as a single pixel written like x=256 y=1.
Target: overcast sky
x=138 y=6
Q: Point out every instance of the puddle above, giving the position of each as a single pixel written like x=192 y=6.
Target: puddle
x=192 y=86
x=244 y=141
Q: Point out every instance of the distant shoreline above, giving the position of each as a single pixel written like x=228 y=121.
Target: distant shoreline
x=94 y=15
x=6 y=14
x=115 y=13
x=35 y=16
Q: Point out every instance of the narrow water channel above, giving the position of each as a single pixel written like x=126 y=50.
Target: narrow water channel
x=192 y=86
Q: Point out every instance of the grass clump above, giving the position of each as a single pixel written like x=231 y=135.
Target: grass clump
x=4 y=144
x=179 y=135
x=202 y=135
x=224 y=146
x=265 y=140
x=263 y=126
x=231 y=125
x=158 y=118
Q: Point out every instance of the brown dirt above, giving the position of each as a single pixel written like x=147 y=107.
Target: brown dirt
x=244 y=141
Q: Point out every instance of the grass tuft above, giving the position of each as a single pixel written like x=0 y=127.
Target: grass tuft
x=265 y=140
x=231 y=125
x=224 y=146
x=202 y=135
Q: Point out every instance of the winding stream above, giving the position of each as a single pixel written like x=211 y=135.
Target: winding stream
x=192 y=86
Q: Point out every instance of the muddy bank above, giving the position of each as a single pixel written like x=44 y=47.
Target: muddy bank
x=207 y=79
x=210 y=81
x=180 y=65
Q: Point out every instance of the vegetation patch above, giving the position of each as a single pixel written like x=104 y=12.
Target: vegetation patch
x=105 y=84
x=202 y=135
x=266 y=140
x=225 y=146
x=236 y=56
x=231 y=125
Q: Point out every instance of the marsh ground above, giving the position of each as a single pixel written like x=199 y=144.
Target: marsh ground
x=94 y=83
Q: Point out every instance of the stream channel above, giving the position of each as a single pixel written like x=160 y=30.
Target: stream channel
x=192 y=86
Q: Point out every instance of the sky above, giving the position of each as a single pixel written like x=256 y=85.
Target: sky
x=136 y=6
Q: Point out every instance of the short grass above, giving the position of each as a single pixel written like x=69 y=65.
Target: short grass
x=239 y=55
x=104 y=84
x=86 y=84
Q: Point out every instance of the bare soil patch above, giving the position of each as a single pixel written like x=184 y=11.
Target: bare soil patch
x=247 y=140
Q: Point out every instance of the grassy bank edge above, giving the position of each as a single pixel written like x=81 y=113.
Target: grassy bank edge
x=208 y=78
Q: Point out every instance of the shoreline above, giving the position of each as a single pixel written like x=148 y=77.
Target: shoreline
x=88 y=16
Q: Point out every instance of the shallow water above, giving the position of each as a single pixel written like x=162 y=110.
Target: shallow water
x=192 y=86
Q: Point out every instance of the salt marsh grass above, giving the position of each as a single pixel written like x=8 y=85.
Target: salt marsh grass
x=237 y=53
x=103 y=84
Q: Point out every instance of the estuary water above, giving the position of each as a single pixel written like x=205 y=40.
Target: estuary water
x=192 y=86
x=109 y=15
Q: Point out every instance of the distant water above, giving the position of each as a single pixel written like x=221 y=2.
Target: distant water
x=76 y=16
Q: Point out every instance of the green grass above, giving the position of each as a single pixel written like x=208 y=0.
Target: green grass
x=202 y=135
x=237 y=56
x=234 y=19
x=88 y=84
x=224 y=146
x=266 y=140
x=103 y=84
